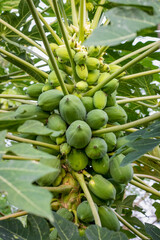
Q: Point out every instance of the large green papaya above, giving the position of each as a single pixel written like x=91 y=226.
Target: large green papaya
x=96 y=148
x=46 y=139
x=50 y=99
x=57 y=124
x=77 y=160
x=110 y=139
x=35 y=90
x=30 y=111
x=96 y=118
x=116 y=113
x=118 y=173
x=49 y=178
x=78 y=134
x=88 y=103
x=108 y=218
x=102 y=188
x=65 y=213
x=71 y=109
x=100 y=99
x=53 y=80
x=84 y=212
x=101 y=165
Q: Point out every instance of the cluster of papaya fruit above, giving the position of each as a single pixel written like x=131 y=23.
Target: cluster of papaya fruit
x=73 y=119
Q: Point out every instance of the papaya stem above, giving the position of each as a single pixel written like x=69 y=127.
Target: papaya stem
x=141 y=181
x=122 y=69
x=37 y=143
x=63 y=12
x=133 y=53
x=128 y=125
x=46 y=44
x=14 y=215
x=16 y=96
x=82 y=21
x=128 y=225
x=127 y=100
x=141 y=74
x=74 y=13
x=146 y=188
x=23 y=36
x=54 y=35
x=64 y=34
x=13 y=157
x=59 y=189
x=152 y=157
x=24 y=63
x=80 y=179
x=147 y=176
x=97 y=15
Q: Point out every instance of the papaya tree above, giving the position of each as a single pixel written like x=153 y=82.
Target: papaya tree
x=79 y=118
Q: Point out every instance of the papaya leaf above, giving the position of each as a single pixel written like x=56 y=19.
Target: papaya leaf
x=94 y=232
x=125 y=23
x=34 y=127
x=156 y=205
x=153 y=231
x=2 y=143
x=66 y=229
x=7 y=5
x=37 y=228
x=16 y=178
x=27 y=150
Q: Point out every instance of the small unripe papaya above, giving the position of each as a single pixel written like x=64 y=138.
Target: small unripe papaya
x=77 y=160
x=110 y=139
x=92 y=63
x=100 y=99
x=53 y=47
x=102 y=188
x=92 y=77
x=84 y=212
x=47 y=86
x=116 y=113
x=49 y=100
x=60 y=139
x=103 y=76
x=80 y=57
x=57 y=124
x=110 y=87
x=96 y=148
x=118 y=173
x=35 y=90
x=111 y=99
x=93 y=51
x=108 y=218
x=65 y=149
x=78 y=134
x=82 y=86
x=88 y=103
x=71 y=109
x=62 y=53
x=113 y=68
x=53 y=80
x=96 y=118
x=101 y=165
x=82 y=71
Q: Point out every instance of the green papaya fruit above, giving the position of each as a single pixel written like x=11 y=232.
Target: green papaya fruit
x=102 y=188
x=47 y=86
x=99 y=201
x=53 y=235
x=65 y=149
x=78 y=134
x=67 y=69
x=93 y=51
x=82 y=86
x=49 y=100
x=119 y=187
x=110 y=139
x=80 y=57
x=108 y=218
x=121 y=141
x=92 y=63
x=30 y=111
x=77 y=160
x=53 y=80
x=116 y=113
x=60 y=139
x=113 y=68
x=101 y=165
x=96 y=118
x=81 y=231
x=62 y=53
x=103 y=76
x=71 y=109
x=82 y=71
x=88 y=103
x=96 y=148
x=35 y=90
x=84 y=212
x=100 y=99
x=49 y=178
x=57 y=124
x=111 y=99
x=104 y=68
x=65 y=213
x=110 y=87
x=120 y=174
x=46 y=139
x=53 y=47
x=93 y=76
